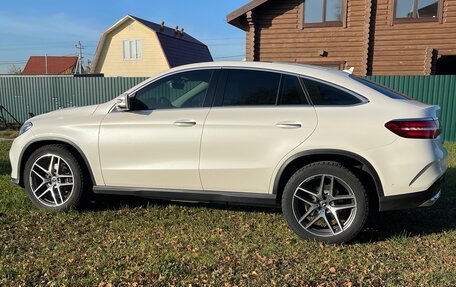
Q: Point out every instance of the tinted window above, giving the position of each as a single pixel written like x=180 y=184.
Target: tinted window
x=323 y=94
x=291 y=92
x=250 y=88
x=381 y=89
x=183 y=90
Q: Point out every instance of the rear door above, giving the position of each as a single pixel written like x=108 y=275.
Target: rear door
x=257 y=119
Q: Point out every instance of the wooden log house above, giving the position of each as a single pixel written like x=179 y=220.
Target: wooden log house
x=376 y=37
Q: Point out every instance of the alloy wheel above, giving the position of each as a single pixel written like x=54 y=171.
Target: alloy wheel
x=51 y=180
x=324 y=205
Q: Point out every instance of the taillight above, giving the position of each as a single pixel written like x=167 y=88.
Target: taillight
x=415 y=129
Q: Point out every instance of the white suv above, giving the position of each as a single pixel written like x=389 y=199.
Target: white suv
x=326 y=146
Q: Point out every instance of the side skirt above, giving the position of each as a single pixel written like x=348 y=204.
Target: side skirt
x=237 y=198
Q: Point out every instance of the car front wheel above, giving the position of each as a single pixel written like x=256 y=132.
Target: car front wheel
x=325 y=201
x=53 y=178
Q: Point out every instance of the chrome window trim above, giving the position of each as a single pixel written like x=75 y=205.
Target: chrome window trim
x=362 y=99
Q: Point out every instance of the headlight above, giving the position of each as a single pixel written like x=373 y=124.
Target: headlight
x=25 y=127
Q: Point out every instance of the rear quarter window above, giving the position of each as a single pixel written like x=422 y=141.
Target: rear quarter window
x=322 y=94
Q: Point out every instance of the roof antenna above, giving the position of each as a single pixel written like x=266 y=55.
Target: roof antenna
x=162 y=26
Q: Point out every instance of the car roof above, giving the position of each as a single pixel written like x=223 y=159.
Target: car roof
x=301 y=69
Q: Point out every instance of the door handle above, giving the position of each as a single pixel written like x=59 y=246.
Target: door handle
x=185 y=123
x=289 y=125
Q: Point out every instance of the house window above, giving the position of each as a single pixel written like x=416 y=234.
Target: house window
x=323 y=12
x=417 y=10
x=132 y=49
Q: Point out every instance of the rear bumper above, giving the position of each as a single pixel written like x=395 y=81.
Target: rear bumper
x=412 y=200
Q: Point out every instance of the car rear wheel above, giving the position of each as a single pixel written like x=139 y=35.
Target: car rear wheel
x=324 y=201
x=53 y=178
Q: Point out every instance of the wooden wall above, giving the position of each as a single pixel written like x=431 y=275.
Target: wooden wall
x=371 y=41
x=408 y=48
x=279 y=37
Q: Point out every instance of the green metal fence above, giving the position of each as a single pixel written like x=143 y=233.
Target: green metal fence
x=37 y=95
x=435 y=90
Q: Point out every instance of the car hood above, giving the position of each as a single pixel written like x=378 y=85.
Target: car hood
x=64 y=114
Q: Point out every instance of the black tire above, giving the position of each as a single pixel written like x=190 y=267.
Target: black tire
x=74 y=193
x=337 y=180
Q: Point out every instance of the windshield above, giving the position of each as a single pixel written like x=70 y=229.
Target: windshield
x=381 y=89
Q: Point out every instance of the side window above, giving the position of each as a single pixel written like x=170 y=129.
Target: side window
x=326 y=95
x=291 y=92
x=250 y=88
x=183 y=90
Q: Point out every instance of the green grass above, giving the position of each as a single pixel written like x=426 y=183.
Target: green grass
x=120 y=241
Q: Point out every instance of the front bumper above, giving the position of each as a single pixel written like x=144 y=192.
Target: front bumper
x=412 y=200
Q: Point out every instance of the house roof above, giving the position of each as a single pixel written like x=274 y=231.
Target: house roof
x=56 y=65
x=167 y=31
x=179 y=48
x=234 y=18
x=183 y=52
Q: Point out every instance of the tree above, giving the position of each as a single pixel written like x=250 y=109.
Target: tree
x=14 y=70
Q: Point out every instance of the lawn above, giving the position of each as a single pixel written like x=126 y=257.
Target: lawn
x=119 y=241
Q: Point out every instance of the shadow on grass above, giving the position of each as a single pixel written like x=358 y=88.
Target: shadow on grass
x=5 y=167
x=115 y=202
x=385 y=225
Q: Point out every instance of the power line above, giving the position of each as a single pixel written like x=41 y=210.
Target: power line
x=216 y=39
x=225 y=44
x=12 y=60
x=227 y=57
x=5 y=64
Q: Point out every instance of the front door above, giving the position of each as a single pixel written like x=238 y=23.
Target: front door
x=156 y=144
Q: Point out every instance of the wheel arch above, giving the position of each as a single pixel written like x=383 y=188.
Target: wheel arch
x=32 y=146
x=356 y=163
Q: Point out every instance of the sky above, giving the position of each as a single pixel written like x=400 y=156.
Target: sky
x=33 y=28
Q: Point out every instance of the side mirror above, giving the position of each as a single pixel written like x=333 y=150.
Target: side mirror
x=122 y=102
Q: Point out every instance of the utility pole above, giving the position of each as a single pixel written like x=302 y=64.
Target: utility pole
x=80 y=47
